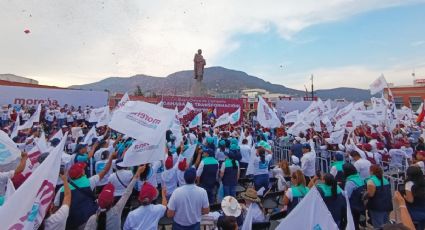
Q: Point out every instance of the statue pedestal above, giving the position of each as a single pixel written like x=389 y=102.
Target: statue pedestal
x=198 y=89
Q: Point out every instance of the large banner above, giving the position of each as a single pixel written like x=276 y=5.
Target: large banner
x=29 y=96
x=221 y=105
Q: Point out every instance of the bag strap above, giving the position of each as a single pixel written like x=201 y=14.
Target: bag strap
x=125 y=186
x=86 y=193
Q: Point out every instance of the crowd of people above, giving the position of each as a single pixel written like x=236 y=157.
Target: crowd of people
x=233 y=170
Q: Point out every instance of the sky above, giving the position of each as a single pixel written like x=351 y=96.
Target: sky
x=342 y=43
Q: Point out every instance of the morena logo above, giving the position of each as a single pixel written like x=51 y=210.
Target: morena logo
x=30 y=101
x=144 y=119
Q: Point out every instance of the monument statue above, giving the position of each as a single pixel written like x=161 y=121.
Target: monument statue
x=199 y=63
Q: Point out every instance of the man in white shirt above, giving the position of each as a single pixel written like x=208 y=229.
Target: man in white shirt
x=362 y=165
x=188 y=203
x=308 y=162
x=245 y=150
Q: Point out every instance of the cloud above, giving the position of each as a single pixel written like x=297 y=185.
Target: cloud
x=354 y=76
x=79 y=41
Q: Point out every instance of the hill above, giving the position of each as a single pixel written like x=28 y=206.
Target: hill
x=218 y=80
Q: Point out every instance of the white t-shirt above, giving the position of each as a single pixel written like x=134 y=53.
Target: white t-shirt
x=308 y=164
x=246 y=153
x=187 y=202
x=125 y=177
x=145 y=217
x=57 y=221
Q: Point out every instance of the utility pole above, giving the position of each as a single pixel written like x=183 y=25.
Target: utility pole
x=312 y=88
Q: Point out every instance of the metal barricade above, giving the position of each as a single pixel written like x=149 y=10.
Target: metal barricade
x=280 y=153
x=322 y=164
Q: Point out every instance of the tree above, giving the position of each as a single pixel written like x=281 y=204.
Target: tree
x=138 y=91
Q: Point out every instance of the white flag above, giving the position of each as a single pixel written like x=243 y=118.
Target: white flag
x=310 y=214
x=10 y=189
x=58 y=135
x=104 y=118
x=359 y=106
x=188 y=153
x=176 y=128
x=265 y=115
x=41 y=142
x=8 y=150
x=161 y=103
x=291 y=116
x=298 y=127
x=122 y=102
x=343 y=112
x=89 y=136
x=235 y=117
x=15 y=128
x=31 y=201
x=350 y=221
x=222 y=120
x=186 y=110
x=142 y=121
x=378 y=85
x=98 y=113
x=336 y=137
x=142 y=153
x=196 y=121
x=35 y=118
x=247 y=223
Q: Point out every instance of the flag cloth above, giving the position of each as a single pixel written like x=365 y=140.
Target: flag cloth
x=247 y=223
x=336 y=137
x=378 y=85
x=90 y=135
x=235 y=117
x=15 y=127
x=35 y=118
x=310 y=214
x=350 y=221
x=421 y=115
x=161 y=103
x=186 y=110
x=142 y=121
x=122 y=102
x=291 y=116
x=58 y=135
x=265 y=115
x=104 y=118
x=222 y=120
x=196 y=121
x=10 y=189
x=32 y=199
x=142 y=153
x=176 y=128
x=188 y=153
x=8 y=150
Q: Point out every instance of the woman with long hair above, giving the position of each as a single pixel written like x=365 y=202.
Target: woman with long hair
x=379 y=193
x=296 y=192
x=333 y=198
x=415 y=195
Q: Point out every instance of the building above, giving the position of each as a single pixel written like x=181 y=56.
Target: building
x=410 y=96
